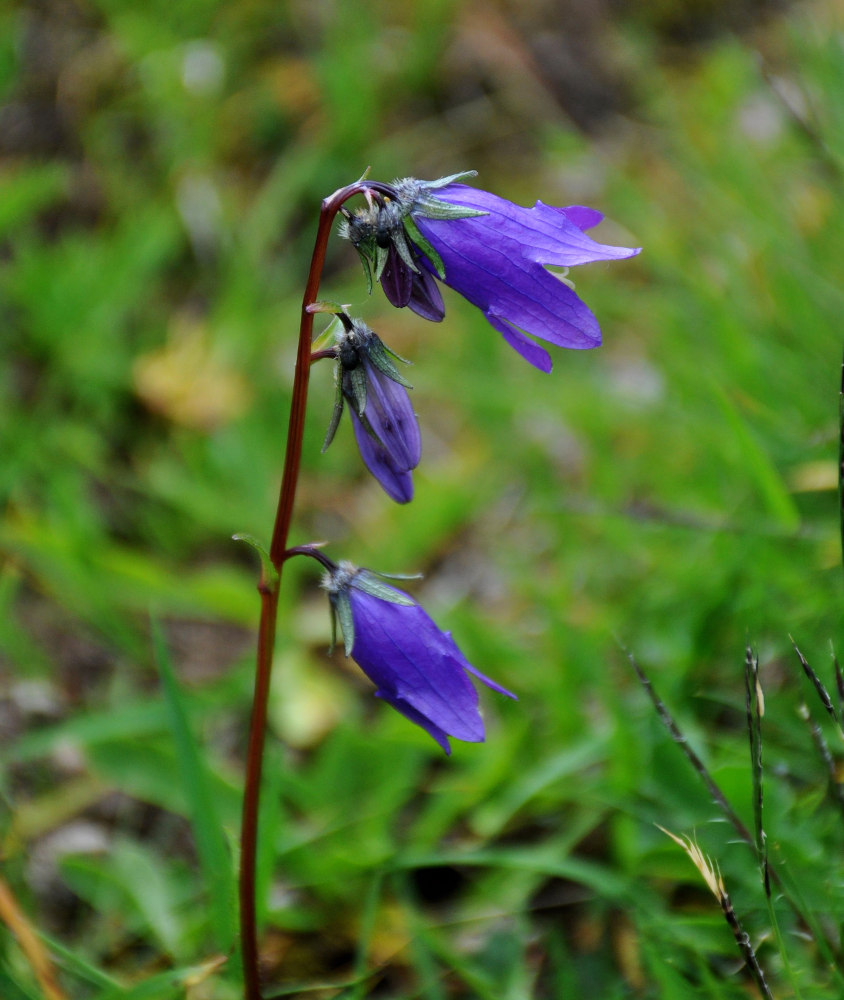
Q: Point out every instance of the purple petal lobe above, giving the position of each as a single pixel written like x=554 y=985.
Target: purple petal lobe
x=397 y=483
x=530 y=351
x=390 y=414
x=396 y=279
x=416 y=667
x=489 y=682
x=426 y=299
x=584 y=218
x=400 y=705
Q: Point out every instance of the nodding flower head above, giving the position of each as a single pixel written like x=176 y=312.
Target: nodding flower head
x=382 y=415
x=492 y=252
x=414 y=665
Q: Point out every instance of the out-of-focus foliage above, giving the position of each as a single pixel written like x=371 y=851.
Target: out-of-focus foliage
x=161 y=165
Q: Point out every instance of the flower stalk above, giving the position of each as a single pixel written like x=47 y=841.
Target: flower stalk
x=268 y=588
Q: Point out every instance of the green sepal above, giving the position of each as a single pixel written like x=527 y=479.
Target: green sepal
x=393 y=354
x=381 y=356
x=400 y=243
x=357 y=393
x=341 y=608
x=269 y=574
x=381 y=257
x=370 y=430
x=401 y=576
x=424 y=246
x=336 y=413
x=432 y=208
x=366 y=581
x=451 y=179
x=367 y=270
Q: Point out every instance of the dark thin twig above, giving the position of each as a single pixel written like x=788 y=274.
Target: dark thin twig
x=668 y=721
x=806 y=127
x=817 y=683
x=836 y=789
x=717 y=795
x=715 y=884
x=754 y=708
x=828 y=949
x=743 y=941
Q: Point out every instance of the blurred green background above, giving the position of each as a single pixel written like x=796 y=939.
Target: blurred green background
x=673 y=493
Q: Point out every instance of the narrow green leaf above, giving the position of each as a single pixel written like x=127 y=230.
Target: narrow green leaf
x=841 y=462
x=211 y=845
x=137 y=720
x=163 y=986
x=75 y=964
x=760 y=468
x=269 y=571
x=371 y=902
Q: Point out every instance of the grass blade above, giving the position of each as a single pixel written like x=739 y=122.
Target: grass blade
x=211 y=846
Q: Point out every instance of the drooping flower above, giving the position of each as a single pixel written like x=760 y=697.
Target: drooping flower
x=382 y=415
x=414 y=665
x=491 y=251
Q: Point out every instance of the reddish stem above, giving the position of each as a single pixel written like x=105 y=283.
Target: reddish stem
x=269 y=591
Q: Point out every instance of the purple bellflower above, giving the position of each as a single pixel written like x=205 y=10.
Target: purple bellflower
x=491 y=251
x=382 y=415
x=415 y=666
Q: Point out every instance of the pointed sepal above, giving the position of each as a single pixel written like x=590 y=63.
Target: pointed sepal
x=336 y=414
x=424 y=246
x=369 y=583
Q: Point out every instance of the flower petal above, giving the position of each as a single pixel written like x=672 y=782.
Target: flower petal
x=397 y=483
x=409 y=712
x=582 y=216
x=411 y=661
x=490 y=683
x=523 y=293
x=390 y=414
x=530 y=351
x=426 y=299
x=543 y=233
x=396 y=279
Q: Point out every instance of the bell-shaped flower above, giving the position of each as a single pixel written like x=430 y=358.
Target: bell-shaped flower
x=382 y=415
x=414 y=665
x=491 y=251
